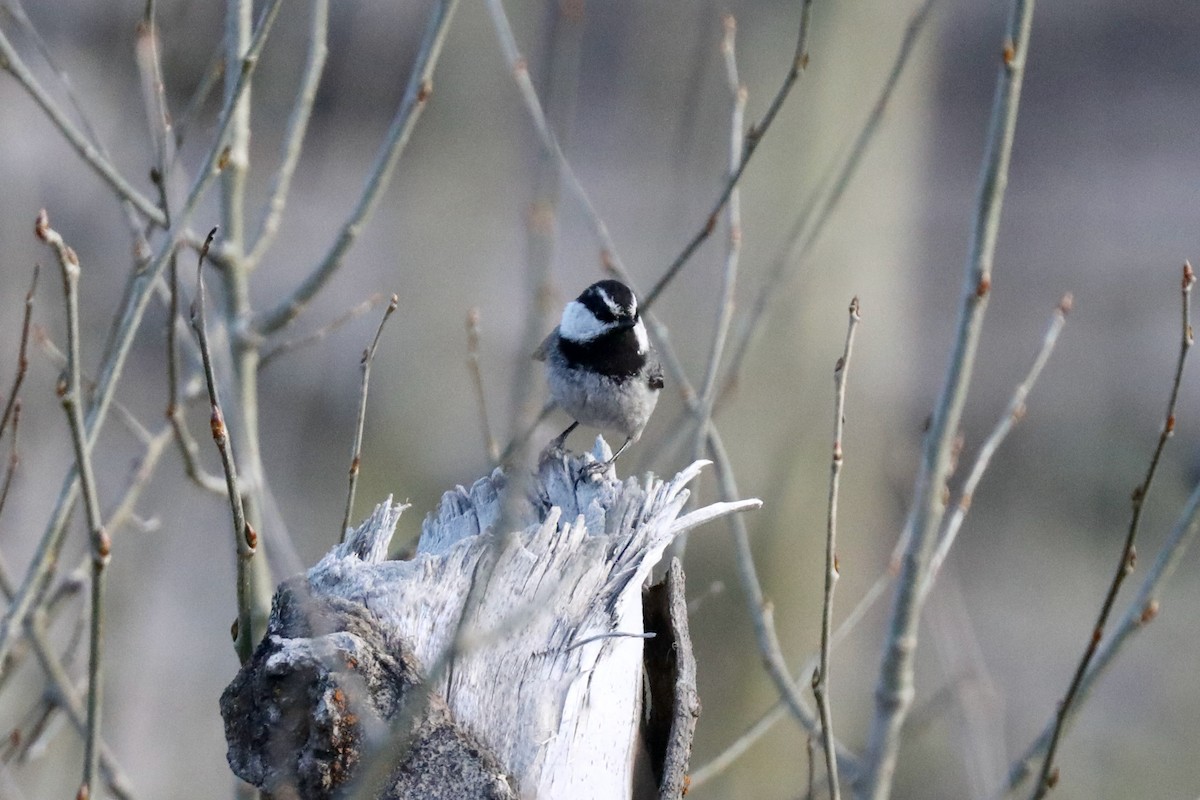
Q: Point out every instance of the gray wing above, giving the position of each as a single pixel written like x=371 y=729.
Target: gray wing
x=543 y=349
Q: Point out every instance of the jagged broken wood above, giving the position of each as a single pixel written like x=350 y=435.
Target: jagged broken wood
x=545 y=696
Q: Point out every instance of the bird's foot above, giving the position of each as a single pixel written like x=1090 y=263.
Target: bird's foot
x=595 y=471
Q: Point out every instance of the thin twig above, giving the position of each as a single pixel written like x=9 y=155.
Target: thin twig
x=71 y=394
x=59 y=359
x=188 y=447
x=812 y=776
x=1013 y=414
x=820 y=681
x=297 y=126
x=158 y=115
x=762 y=614
x=895 y=687
x=809 y=225
x=68 y=700
x=1142 y=610
x=14 y=455
x=753 y=139
x=1049 y=773
x=245 y=538
x=290 y=345
x=416 y=95
x=356 y=453
x=489 y=441
x=22 y=353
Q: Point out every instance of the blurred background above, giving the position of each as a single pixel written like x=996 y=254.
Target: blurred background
x=1102 y=202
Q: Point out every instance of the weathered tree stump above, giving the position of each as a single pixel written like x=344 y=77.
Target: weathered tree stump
x=489 y=665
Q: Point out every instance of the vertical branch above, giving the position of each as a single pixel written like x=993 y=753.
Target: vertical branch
x=1049 y=773
x=71 y=393
x=895 y=688
x=820 y=680
x=189 y=449
x=733 y=252
x=233 y=179
x=10 y=407
x=14 y=459
x=762 y=615
x=356 y=455
x=489 y=441
x=245 y=537
x=149 y=62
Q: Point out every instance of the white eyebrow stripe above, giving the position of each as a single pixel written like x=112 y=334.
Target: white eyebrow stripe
x=639 y=330
x=608 y=301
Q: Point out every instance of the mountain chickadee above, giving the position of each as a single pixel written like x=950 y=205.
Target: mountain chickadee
x=599 y=364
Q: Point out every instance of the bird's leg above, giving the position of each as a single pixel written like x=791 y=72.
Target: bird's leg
x=628 y=442
x=557 y=444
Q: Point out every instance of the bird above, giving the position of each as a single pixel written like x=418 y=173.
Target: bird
x=600 y=367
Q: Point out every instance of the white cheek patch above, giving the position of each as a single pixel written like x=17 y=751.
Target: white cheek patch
x=639 y=330
x=578 y=324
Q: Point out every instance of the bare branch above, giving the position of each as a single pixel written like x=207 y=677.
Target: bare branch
x=71 y=394
x=14 y=457
x=1013 y=414
x=733 y=252
x=66 y=699
x=289 y=345
x=1049 y=773
x=356 y=453
x=894 y=691
x=149 y=63
x=742 y=744
x=489 y=441
x=245 y=537
x=820 y=682
x=189 y=449
x=22 y=354
x=1142 y=610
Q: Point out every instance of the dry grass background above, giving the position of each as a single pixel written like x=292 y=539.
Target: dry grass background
x=1102 y=202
